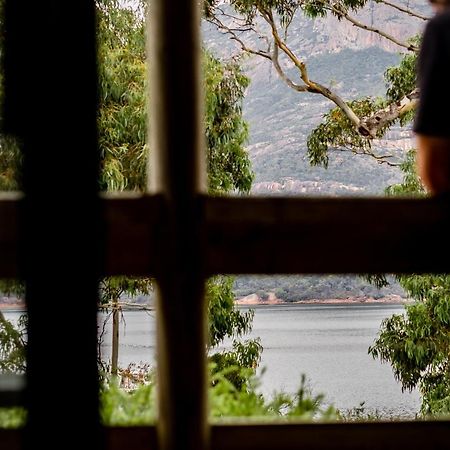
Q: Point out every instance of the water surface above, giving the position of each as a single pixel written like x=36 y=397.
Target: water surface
x=327 y=343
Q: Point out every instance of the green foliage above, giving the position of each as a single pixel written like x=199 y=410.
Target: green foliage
x=411 y=185
x=10 y=162
x=377 y=280
x=122 y=116
x=337 y=131
x=10 y=155
x=12 y=417
x=128 y=408
x=417 y=344
x=226 y=132
x=304 y=405
x=402 y=79
x=122 y=123
x=284 y=9
x=122 y=129
x=228 y=400
x=359 y=413
x=12 y=345
x=250 y=9
x=225 y=320
x=12 y=287
x=291 y=288
x=235 y=365
x=112 y=288
x=138 y=407
x=320 y=8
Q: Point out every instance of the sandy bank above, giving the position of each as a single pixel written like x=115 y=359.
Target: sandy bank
x=253 y=299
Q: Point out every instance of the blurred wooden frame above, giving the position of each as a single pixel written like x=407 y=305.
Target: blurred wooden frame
x=179 y=235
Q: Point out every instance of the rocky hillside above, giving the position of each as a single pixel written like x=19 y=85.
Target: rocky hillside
x=351 y=61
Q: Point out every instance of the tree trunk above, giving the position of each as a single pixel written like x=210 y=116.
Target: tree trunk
x=115 y=339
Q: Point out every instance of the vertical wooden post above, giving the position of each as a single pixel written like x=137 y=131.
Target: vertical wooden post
x=177 y=173
x=51 y=101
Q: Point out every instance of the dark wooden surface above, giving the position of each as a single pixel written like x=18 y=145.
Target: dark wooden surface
x=276 y=235
x=9 y=234
x=266 y=436
x=177 y=175
x=51 y=107
x=268 y=235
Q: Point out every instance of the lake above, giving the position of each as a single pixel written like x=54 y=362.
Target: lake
x=327 y=343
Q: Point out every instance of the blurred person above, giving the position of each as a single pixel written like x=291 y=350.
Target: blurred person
x=432 y=123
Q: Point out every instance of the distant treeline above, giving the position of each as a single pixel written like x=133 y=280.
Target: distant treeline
x=292 y=288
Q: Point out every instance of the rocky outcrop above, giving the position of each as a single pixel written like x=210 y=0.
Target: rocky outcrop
x=333 y=35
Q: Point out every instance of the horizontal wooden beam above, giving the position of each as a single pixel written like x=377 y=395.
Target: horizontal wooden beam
x=413 y=435
x=134 y=225
x=9 y=234
x=12 y=388
x=308 y=235
x=339 y=436
x=269 y=235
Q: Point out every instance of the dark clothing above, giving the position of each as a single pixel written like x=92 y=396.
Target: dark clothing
x=433 y=114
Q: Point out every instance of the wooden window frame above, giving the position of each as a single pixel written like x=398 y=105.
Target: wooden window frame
x=175 y=233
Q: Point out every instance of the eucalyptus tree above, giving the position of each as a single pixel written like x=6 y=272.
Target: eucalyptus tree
x=122 y=122
x=417 y=343
x=122 y=130
x=261 y=29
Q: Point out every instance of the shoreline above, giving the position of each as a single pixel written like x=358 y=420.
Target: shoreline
x=254 y=300
x=12 y=307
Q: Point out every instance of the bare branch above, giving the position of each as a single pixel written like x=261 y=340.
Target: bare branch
x=282 y=74
x=101 y=337
x=239 y=20
x=381 y=159
x=403 y=9
x=234 y=36
x=312 y=86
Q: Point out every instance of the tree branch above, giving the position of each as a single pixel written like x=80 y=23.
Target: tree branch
x=233 y=35
x=341 y=13
x=311 y=86
x=282 y=74
x=405 y=10
x=368 y=127
x=372 y=124
x=381 y=159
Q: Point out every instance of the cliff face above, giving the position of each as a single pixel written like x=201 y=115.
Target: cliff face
x=334 y=35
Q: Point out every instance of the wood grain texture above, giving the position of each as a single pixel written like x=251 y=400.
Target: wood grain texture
x=267 y=235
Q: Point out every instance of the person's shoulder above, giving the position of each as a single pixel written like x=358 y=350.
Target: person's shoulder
x=440 y=21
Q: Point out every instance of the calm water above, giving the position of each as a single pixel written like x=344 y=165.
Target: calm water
x=327 y=343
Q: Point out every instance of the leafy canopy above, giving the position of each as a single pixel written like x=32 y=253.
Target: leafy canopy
x=122 y=125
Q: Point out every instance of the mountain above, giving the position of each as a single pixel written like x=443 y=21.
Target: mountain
x=351 y=61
